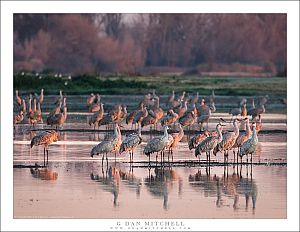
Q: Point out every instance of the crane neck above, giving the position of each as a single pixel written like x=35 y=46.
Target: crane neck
x=236 y=128
x=248 y=130
x=165 y=132
x=220 y=136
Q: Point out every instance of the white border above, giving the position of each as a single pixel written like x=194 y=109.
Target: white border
x=8 y=8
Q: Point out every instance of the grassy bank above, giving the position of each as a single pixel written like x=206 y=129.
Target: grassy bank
x=247 y=86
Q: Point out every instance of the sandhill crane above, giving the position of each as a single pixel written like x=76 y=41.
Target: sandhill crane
x=177 y=136
x=180 y=98
x=40 y=98
x=228 y=141
x=264 y=100
x=159 y=113
x=243 y=136
x=59 y=98
x=188 y=119
x=181 y=110
x=157 y=144
x=204 y=118
x=140 y=116
x=257 y=111
x=208 y=144
x=195 y=99
x=32 y=113
x=39 y=113
x=58 y=119
x=18 y=118
x=107 y=146
x=169 y=119
x=235 y=112
x=203 y=108
x=171 y=98
x=151 y=119
x=23 y=107
x=195 y=140
x=96 y=106
x=130 y=117
x=130 y=143
x=250 y=145
x=122 y=115
x=18 y=98
x=45 y=138
x=96 y=117
x=212 y=107
x=244 y=110
x=106 y=120
x=90 y=100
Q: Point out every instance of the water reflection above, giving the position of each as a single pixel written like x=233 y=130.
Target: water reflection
x=109 y=181
x=160 y=184
x=227 y=187
x=131 y=181
x=43 y=174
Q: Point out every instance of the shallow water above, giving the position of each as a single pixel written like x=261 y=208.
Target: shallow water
x=82 y=190
x=74 y=185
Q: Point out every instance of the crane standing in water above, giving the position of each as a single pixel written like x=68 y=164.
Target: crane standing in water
x=208 y=144
x=250 y=145
x=45 y=139
x=107 y=146
x=157 y=144
x=131 y=142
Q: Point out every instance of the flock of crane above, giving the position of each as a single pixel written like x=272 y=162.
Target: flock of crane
x=183 y=112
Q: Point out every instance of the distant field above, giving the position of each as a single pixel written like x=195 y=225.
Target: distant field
x=246 y=86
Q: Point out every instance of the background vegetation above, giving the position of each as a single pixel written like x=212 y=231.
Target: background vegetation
x=148 y=44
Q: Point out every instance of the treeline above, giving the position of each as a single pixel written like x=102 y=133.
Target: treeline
x=129 y=43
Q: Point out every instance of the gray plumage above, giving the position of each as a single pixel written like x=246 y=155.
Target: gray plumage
x=157 y=144
x=107 y=146
x=131 y=142
x=208 y=144
x=250 y=145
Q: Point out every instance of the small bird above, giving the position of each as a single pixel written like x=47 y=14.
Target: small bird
x=45 y=138
x=130 y=143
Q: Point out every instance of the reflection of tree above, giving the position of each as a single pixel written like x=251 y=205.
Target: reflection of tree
x=226 y=187
x=43 y=174
x=109 y=181
x=160 y=184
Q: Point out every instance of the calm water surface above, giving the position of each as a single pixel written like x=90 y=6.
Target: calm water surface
x=76 y=186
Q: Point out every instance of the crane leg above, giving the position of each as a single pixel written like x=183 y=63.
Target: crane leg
x=44 y=156
x=106 y=160
x=47 y=155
